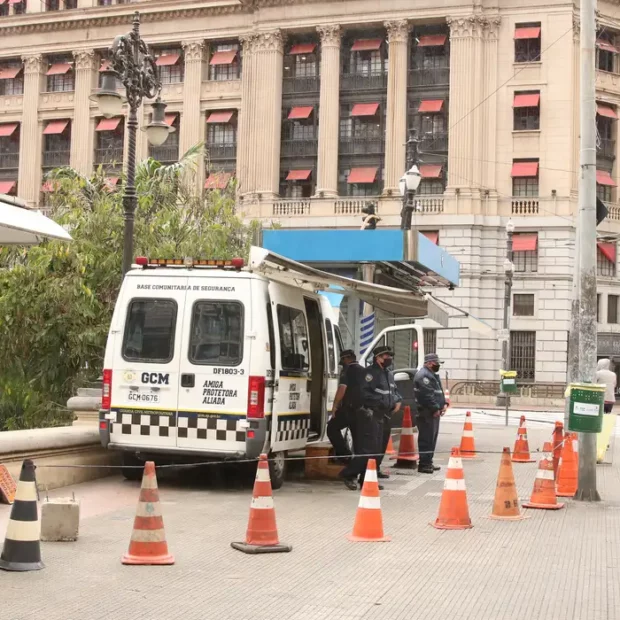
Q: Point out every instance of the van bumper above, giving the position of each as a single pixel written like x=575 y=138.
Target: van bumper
x=104 y=428
x=255 y=437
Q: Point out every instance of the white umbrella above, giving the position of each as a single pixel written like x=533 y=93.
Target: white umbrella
x=21 y=226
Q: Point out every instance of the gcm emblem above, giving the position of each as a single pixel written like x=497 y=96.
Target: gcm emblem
x=156 y=378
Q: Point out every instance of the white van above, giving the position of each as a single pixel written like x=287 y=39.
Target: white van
x=212 y=360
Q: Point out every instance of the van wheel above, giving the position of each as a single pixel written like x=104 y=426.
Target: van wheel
x=277 y=469
x=132 y=467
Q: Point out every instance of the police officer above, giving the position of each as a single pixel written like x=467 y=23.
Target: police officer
x=379 y=399
x=346 y=402
x=431 y=402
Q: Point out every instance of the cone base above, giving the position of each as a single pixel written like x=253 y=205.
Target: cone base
x=364 y=539
x=544 y=506
x=158 y=560
x=255 y=549
x=567 y=493
x=523 y=460
x=408 y=462
x=21 y=567
x=446 y=526
x=499 y=518
x=468 y=456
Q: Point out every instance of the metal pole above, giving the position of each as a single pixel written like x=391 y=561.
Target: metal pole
x=507 y=304
x=586 y=231
x=129 y=197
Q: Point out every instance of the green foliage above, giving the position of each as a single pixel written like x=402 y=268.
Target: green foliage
x=56 y=299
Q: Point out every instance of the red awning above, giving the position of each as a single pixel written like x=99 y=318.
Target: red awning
x=362 y=175
x=302 y=48
x=49 y=186
x=10 y=73
x=59 y=68
x=108 y=124
x=8 y=129
x=524 y=242
x=604 y=178
x=524 y=169
x=608 y=250
x=532 y=32
x=431 y=105
x=366 y=45
x=431 y=235
x=526 y=101
x=364 y=109
x=15 y=1
x=55 y=127
x=2 y=2
x=170 y=118
x=112 y=181
x=298 y=175
x=218 y=180
x=166 y=60
x=301 y=112
x=220 y=117
x=105 y=65
x=602 y=109
x=6 y=187
x=606 y=46
x=223 y=58
x=432 y=40
x=430 y=171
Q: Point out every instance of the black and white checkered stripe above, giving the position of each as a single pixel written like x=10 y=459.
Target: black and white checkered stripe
x=143 y=424
x=290 y=429
x=210 y=427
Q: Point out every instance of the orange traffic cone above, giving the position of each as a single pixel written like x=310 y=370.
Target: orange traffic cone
x=453 y=509
x=543 y=494
x=148 y=540
x=468 y=447
x=567 y=471
x=368 y=525
x=558 y=440
x=262 y=533
x=390 y=449
x=506 y=503
x=521 y=451
x=407 y=453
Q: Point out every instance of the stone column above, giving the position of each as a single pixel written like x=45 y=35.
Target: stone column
x=29 y=181
x=329 y=112
x=82 y=133
x=192 y=122
x=245 y=134
x=489 y=107
x=268 y=50
x=396 y=118
x=574 y=186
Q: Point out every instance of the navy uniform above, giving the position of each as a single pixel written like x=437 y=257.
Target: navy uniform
x=431 y=402
x=379 y=397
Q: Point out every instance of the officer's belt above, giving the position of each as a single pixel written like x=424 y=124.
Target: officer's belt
x=384 y=392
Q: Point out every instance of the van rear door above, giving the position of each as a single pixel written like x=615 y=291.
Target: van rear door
x=215 y=365
x=145 y=367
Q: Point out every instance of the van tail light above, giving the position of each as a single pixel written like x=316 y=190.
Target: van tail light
x=256 y=397
x=106 y=395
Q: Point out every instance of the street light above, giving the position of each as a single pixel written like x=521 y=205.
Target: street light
x=509 y=268
x=409 y=183
x=132 y=64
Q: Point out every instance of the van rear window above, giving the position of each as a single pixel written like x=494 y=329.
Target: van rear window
x=217 y=333
x=149 y=330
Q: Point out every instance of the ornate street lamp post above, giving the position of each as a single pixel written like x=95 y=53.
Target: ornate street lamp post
x=132 y=64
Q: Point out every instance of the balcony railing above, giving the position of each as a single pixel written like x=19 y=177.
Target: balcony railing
x=613 y=211
x=437 y=76
x=291 y=206
x=9 y=161
x=429 y=205
x=301 y=85
x=435 y=142
x=55 y=159
x=525 y=206
x=606 y=148
x=299 y=148
x=360 y=146
x=353 y=206
x=165 y=154
x=359 y=81
x=222 y=151
x=110 y=155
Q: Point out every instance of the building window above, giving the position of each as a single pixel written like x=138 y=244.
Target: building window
x=523 y=355
x=170 y=65
x=360 y=181
x=430 y=341
x=603 y=192
x=606 y=51
x=598 y=308
x=9 y=149
x=612 y=308
x=168 y=152
x=523 y=304
x=364 y=63
x=11 y=78
x=361 y=121
x=525 y=252
x=302 y=61
x=604 y=185
x=19 y=8
x=526 y=110
x=58 y=5
x=109 y=142
x=432 y=179
x=225 y=62
x=60 y=75
x=57 y=144
x=221 y=133
x=527 y=42
x=296 y=183
x=525 y=177
x=606 y=259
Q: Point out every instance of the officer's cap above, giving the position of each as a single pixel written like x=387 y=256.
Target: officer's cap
x=382 y=350
x=432 y=357
x=347 y=353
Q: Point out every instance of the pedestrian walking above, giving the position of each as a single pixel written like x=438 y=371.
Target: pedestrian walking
x=346 y=402
x=605 y=376
x=431 y=405
x=379 y=397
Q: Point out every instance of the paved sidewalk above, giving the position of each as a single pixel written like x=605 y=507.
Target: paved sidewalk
x=555 y=565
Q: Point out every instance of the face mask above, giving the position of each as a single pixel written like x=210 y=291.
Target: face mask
x=387 y=362
x=435 y=367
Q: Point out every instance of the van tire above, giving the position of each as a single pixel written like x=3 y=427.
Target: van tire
x=277 y=469
x=132 y=467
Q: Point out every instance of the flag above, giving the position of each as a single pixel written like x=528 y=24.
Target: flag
x=367 y=331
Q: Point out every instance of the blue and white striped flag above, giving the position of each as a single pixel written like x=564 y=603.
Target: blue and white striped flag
x=367 y=331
